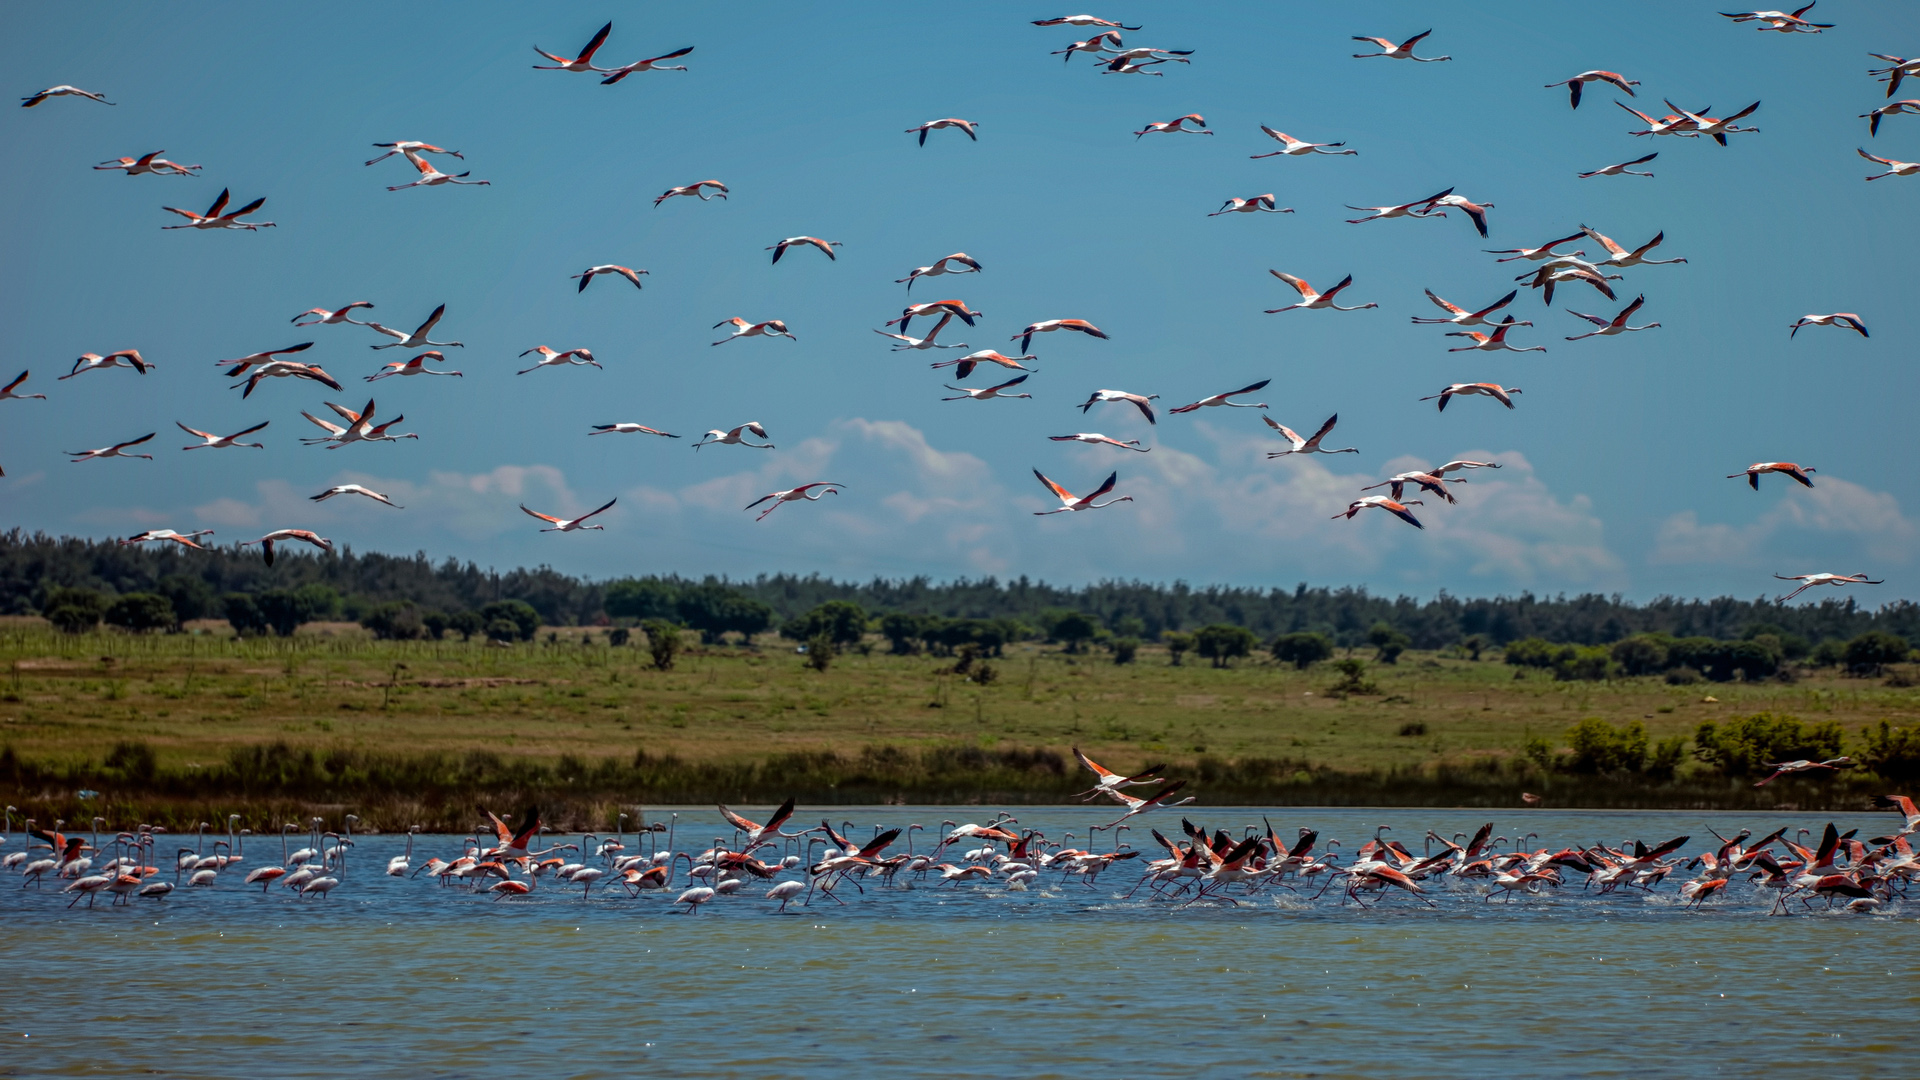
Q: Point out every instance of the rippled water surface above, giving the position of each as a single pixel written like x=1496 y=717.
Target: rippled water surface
x=393 y=976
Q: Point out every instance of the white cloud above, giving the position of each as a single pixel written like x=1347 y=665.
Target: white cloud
x=1834 y=519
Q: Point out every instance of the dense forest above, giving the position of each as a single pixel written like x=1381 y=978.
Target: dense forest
x=34 y=568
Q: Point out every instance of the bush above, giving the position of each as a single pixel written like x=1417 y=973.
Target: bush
x=1178 y=645
x=284 y=610
x=1745 y=746
x=1071 y=627
x=640 y=599
x=1132 y=626
x=1390 y=642
x=74 y=611
x=1583 y=663
x=1222 y=642
x=1413 y=728
x=1684 y=676
x=1531 y=652
x=1667 y=755
x=1872 y=651
x=1722 y=661
x=1641 y=654
x=1302 y=649
x=396 y=620
x=1599 y=747
x=505 y=631
x=820 y=651
x=619 y=636
x=1828 y=653
x=716 y=610
x=842 y=621
x=190 y=595
x=466 y=624
x=436 y=623
x=243 y=614
x=1789 y=646
x=1893 y=752
x=140 y=612
x=1124 y=649
x=663 y=642
x=525 y=620
x=903 y=631
x=1353 y=678
x=1475 y=644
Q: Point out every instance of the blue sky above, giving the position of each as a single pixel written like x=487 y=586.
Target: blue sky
x=1613 y=461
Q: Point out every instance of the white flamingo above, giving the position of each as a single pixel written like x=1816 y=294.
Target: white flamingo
x=780 y=498
x=629 y=429
x=1252 y=204
x=744 y=329
x=1615 y=325
x=1381 y=502
x=1221 y=399
x=586 y=276
x=287 y=369
x=1808 y=581
x=963 y=366
x=432 y=177
x=1402 y=51
x=1048 y=326
x=155 y=165
x=214 y=219
x=1419 y=208
x=569 y=524
x=1496 y=341
x=355 y=489
x=288 y=536
x=1462 y=317
x=210 y=441
x=1575 y=84
x=1071 y=503
x=953 y=122
x=1306 y=446
x=1176 y=126
x=1311 y=300
x=332 y=318
x=128 y=358
x=651 y=63
x=1621 y=169
x=957 y=263
x=1845 y=319
x=1293 y=147
x=1501 y=394
x=1894 y=168
x=736 y=437
x=185 y=539
x=927 y=342
x=1144 y=404
x=63 y=90
x=9 y=391
x=989 y=392
x=415 y=366
x=419 y=339
x=697 y=190
x=570 y=358
x=581 y=63
x=412 y=149
x=1094 y=438
x=116 y=450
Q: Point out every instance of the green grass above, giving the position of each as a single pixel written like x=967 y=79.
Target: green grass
x=418 y=731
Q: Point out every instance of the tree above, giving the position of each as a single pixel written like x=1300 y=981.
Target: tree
x=842 y=621
x=523 y=616
x=1389 y=641
x=466 y=624
x=641 y=599
x=243 y=614
x=191 y=597
x=715 y=610
x=1746 y=745
x=140 y=612
x=1893 y=752
x=1475 y=644
x=663 y=642
x=1599 y=747
x=1302 y=649
x=74 y=611
x=396 y=620
x=503 y=630
x=436 y=624
x=1641 y=654
x=820 y=651
x=1178 y=645
x=1872 y=651
x=1124 y=649
x=1073 y=628
x=1132 y=626
x=1221 y=642
x=285 y=610
x=903 y=631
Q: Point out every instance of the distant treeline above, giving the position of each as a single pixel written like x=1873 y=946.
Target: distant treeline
x=34 y=566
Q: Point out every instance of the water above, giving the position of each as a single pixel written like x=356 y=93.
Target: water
x=397 y=976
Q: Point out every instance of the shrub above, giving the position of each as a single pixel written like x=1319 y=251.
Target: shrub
x=1684 y=676
x=619 y=636
x=1071 y=627
x=1353 y=678
x=1302 y=649
x=716 y=610
x=1413 y=728
x=190 y=595
x=243 y=614
x=1872 y=651
x=1178 y=645
x=1599 y=747
x=903 y=631
x=1667 y=755
x=1583 y=663
x=436 y=623
x=503 y=630
x=74 y=611
x=396 y=620
x=466 y=624
x=1745 y=745
x=1531 y=652
x=663 y=642
x=524 y=619
x=1893 y=752
x=1132 y=626
x=820 y=651
x=140 y=612
x=1722 y=661
x=1641 y=654
x=842 y=621
x=1474 y=644
x=1828 y=653
x=640 y=599
x=1390 y=642
x=1221 y=642
x=1124 y=649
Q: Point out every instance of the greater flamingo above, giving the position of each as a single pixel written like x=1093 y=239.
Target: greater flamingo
x=1069 y=502
x=781 y=498
x=1311 y=300
x=569 y=524
x=1306 y=446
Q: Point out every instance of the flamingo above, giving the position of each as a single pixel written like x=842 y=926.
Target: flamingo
x=1780 y=20
x=1311 y=300
x=415 y=366
x=1097 y=45
x=1615 y=325
x=586 y=276
x=1176 y=126
x=1808 y=581
x=1126 y=65
x=1900 y=68
x=1788 y=768
x=651 y=63
x=947 y=264
x=1476 y=212
x=1048 y=326
x=128 y=358
x=1501 y=394
x=287 y=369
x=1579 y=81
x=549 y=358
x=360 y=427
x=1295 y=148
x=1261 y=204
x=1497 y=341
x=1082 y=20
x=1910 y=105
x=1106 y=781
x=785 y=892
x=1095 y=438
x=1787 y=469
x=7 y=392
x=964 y=365
x=582 y=63
x=949 y=122
x=1620 y=170
x=183 y=539
x=757 y=834
x=781 y=498
x=355 y=489
x=111 y=451
x=214 y=219
x=1412 y=209
x=1462 y=317
x=1458 y=466
x=696 y=189
x=330 y=318
x=694 y=897
x=432 y=177
x=1907 y=810
x=1563 y=271
x=154 y=164
x=241 y=365
x=736 y=437
x=1381 y=502
x=1306 y=446
x=1402 y=51
x=420 y=336
x=1425 y=481
x=211 y=441
x=927 y=342
x=1136 y=805
x=956 y=308
x=1846 y=319
x=629 y=429
x=1144 y=404
x=1716 y=129
x=31 y=100
x=1221 y=399
x=569 y=524
x=412 y=149
x=1544 y=251
x=1070 y=503
x=989 y=392
x=1669 y=125
x=743 y=329
x=1894 y=168
x=827 y=246
x=287 y=536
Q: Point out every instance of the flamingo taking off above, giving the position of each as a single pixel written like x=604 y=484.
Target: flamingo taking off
x=169 y=535
x=415 y=366
x=8 y=392
x=1784 y=468
x=1047 y=326
x=742 y=329
x=988 y=392
x=1462 y=317
x=1306 y=446
x=1845 y=319
x=629 y=429
x=1501 y=394
x=1417 y=208
x=1144 y=404
x=1615 y=325
x=581 y=63
x=781 y=498
x=432 y=177
x=419 y=339
x=1295 y=148
x=31 y=100
x=1095 y=438
x=210 y=441
x=1808 y=581
x=287 y=536
x=1176 y=126
x=566 y=524
x=1309 y=299
x=1381 y=502
x=827 y=246
x=651 y=63
x=355 y=489
x=927 y=342
x=949 y=122
x=1785 y=22
x=957 y=263
x=128 y=358
x=586 y=276
x=214 y=219
x=331 y=318
x=1069 y=502
x=1620 y=170
x=156 y=165
x=412 y=149
x=1894 y=168
x=736 y=437
x=570 y=358
x=1496 y=341
x=1575 y=84
x=1221 y=399
x=963 y=366
x=1106 y=781
x=1803 y=765
x=696 y=189
x=1263 y=204
x=1402 y=51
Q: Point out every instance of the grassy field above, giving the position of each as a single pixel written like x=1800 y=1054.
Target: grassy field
x=167 y=727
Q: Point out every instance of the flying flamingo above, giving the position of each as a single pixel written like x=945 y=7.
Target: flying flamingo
x=1106 y=781
x=1669 y=125
x=1789 y=768
x=214 y=219
x=629 y=429
x=1780 y=20
x=287 y=536
x=169 y=535
x=432 y=177
x=1462 y=317
x=1620 y=170
x=584 y=62
x=287 y=369
x=1785 y=468
x=1097 y=45
x=1136 y=805
x=1808 y=581
x=1047 y=326
x=1615 y=325
x=412 y=149
x=827 y=246
x=419 y=339
x=1094 y=437
x=211 y=441
x=329 y=318
x=757 y=834
x=696 y=189
x=735 y=437
x=927 y=342
x=1176 y=126
x=360 y=427
x=1306 y=446
x=1497 y=341
x=1894 y=168
x=1082 y=20
x=1221 y=399
x=1562 y=271
x=1310 y=300
x=743 y=328
x=355 y=489
x=1126 y=65
x=1476 y=212
x=415 y=366
x=1295 y=148
x=566 y=524
x=1544 y=251
x=1839 y=318
x=586 y=276
x=156 y=165
x=949 y=264
x=241 y=365
x=549 y=358
x=1402 y=51
x=1381 y=502
x=111 y=451
x=1716 y=129
x=651 y=63
x=1900 y=68
x=986 y=393
x=1575 y=84
x=949 y=122
x=1158 y=56
x=1910 y=105
x=31 y=100
x=1416 y=208
x=957 y=308
x=1144 y=404
x=963 y=366
x=7 y=392
x=1425 y=481
x=781 y=498
x=1069 y=502
x=1495 y=391
x=1262 y=204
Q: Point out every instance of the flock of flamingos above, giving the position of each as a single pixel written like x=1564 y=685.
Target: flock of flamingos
x=1482 y=329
